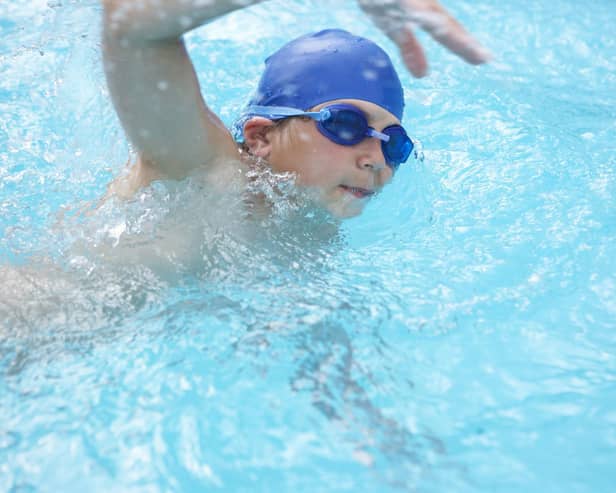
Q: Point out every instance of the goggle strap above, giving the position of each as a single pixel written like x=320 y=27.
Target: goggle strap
x=377 y=135
x=274 y=112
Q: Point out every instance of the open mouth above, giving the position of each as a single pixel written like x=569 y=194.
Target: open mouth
x=358 y=192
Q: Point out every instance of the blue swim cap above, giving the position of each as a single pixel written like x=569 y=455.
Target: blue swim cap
x=330 y=64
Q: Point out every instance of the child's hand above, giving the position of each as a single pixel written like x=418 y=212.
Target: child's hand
x=397 y=17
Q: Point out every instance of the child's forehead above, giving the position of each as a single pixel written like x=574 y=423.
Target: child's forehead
x=375 y=114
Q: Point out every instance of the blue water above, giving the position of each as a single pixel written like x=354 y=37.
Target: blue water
x=459 y=336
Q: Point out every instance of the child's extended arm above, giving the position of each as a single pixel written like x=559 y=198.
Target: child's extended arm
x=154 y=87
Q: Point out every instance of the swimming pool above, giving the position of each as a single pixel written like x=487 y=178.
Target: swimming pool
x=458 y=336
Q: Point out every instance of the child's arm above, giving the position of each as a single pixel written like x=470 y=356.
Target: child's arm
x=154 y=87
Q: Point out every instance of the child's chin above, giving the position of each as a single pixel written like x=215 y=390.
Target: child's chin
x=339 y=205
x=345 y=210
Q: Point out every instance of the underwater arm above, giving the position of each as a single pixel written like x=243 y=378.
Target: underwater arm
x=154 y=88
x=395 y=18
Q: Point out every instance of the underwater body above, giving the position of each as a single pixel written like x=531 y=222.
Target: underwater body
x=457 y=336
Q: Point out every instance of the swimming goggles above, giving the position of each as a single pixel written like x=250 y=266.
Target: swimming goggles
x=346 y=125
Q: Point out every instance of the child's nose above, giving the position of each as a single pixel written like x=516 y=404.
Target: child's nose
x=370 y=155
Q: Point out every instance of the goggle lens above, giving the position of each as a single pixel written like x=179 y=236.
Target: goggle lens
x=399 y=147
x=346 y=125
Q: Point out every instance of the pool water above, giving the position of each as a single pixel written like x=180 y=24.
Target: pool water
x=459 y=336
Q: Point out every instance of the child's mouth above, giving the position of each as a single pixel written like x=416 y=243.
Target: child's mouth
x=358 y=192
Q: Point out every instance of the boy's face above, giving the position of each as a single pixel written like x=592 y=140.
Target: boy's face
x=343 y=177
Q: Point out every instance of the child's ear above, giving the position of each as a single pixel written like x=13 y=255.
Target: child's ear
x=256 y=136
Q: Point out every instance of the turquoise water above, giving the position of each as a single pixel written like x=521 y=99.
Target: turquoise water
x=458 y=336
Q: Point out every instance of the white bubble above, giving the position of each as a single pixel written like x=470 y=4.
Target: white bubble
x=289 y=89
x=380 y=62
x=117 y=15
x=162 y=85
x=370 y=74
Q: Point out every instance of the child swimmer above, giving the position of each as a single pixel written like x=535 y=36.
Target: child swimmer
x=346 y=149
x=328 y=107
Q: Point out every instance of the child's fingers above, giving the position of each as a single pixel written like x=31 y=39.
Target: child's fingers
x=394 y=16
x=393 y=22
x=435 y=20
x=411 y=51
